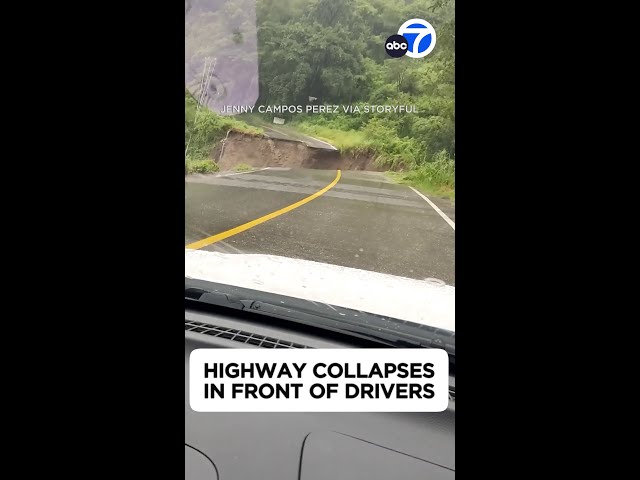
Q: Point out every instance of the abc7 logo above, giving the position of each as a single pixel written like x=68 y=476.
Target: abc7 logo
x=396 y=46
x=416 y=38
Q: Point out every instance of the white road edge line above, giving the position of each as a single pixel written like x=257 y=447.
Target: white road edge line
x=322 y=141
x=303 y=134
x=240 y=173
x=435 y=207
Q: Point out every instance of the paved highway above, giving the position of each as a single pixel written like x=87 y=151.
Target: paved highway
x=285 y=132
x=354 y=219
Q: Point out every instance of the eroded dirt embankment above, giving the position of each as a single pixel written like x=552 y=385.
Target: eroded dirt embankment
x=259 y=151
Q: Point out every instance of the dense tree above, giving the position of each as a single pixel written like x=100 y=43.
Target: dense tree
x=333 y=50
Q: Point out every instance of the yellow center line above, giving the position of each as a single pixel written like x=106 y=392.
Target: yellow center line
x=234 y=231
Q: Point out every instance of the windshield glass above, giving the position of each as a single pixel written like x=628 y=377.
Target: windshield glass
x=320 y=151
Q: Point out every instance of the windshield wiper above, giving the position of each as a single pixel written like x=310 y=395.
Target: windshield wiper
x=384 y=330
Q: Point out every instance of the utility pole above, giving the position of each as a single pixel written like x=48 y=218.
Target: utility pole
x=205 y=82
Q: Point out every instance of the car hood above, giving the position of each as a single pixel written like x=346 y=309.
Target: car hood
x=420 y=301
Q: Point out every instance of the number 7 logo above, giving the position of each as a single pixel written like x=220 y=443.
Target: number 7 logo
x=420 y=35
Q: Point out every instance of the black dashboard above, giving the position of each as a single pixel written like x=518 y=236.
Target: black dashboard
x=305 y=446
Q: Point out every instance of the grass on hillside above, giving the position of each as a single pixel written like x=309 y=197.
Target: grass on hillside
x=432 y=178
x=202 y=135
x=349 y=141
x=436 y=177
x=243 y=167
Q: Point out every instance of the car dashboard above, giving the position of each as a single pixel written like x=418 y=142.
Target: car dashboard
x=305 y=446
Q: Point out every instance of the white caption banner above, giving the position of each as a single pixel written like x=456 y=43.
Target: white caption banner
x=319 y=380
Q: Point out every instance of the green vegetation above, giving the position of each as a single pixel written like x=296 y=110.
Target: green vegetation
x=243 y=167
x=201 y=166
x=347 y=141
x=202 y=134
x=436 y=177
x=333 y=50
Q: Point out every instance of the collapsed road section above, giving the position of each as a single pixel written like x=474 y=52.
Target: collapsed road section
x=268 y=151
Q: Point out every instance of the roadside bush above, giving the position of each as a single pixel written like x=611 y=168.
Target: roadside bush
x=201 y=166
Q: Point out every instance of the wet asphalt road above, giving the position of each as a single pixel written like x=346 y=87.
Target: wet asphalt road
x=288 y=134
x=285 y=132
x=364 y=221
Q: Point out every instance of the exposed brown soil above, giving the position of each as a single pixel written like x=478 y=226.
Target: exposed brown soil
x=259 y=151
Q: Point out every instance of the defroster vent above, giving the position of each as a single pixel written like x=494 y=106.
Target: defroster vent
x=239 y=335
